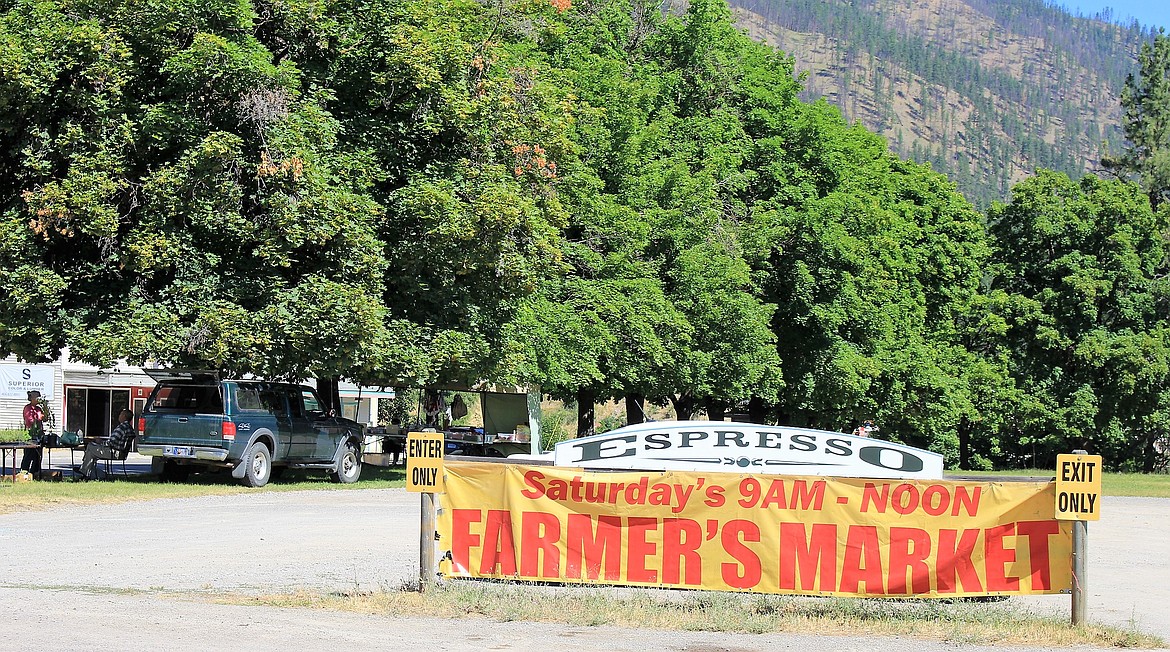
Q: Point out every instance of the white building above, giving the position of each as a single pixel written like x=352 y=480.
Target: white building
x=80 y=396
x=88 y=398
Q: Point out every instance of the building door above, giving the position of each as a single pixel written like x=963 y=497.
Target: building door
x=97 y=411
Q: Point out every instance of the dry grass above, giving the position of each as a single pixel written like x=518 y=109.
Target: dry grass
x=964 y=621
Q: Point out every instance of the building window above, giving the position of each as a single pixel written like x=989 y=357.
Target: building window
x=93 y=410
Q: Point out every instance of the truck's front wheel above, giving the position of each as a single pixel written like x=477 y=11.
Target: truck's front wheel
x=349 y=467
x=257 y=465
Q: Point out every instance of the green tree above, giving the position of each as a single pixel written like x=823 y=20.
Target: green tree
x=172 y=193
x=1082 y=270
x=1146 y=122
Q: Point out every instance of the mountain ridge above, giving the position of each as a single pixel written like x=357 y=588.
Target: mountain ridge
x=987 y=91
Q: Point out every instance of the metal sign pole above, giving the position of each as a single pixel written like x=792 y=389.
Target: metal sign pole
x=426 y=543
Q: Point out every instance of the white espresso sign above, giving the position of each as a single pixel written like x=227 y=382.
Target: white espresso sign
x=746 y=447
x=16 y=381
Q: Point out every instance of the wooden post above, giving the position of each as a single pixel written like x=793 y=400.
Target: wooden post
x=1080 y=567
x=426 y=543
x=1080 y=564
x=424 y=475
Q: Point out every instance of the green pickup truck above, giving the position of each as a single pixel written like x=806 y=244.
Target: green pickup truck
x=255 y=428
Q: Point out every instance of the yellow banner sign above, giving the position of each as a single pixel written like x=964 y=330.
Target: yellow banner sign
x=1078 y=487
x=424 y=462
x=757 y=533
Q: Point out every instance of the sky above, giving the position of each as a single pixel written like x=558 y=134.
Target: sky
x=1148 y=12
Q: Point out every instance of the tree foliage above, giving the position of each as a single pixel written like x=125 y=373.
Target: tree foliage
x=1082 y=271
x=599 y=198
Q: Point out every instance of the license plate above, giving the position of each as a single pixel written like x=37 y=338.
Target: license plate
x=178 y=451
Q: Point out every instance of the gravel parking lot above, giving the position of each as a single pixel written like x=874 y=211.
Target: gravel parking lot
x=98 y=578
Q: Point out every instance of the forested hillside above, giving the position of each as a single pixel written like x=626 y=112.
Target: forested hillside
x=596 y=197
x=987 y=91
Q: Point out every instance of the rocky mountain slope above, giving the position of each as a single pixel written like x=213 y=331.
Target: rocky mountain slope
x=987 y=91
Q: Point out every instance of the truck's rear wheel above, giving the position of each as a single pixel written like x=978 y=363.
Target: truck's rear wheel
x=257 y=465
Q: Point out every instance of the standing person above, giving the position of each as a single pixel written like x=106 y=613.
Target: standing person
x=113 y=448
x=34 y=423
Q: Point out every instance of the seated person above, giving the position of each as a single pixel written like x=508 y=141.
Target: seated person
x=114 y=448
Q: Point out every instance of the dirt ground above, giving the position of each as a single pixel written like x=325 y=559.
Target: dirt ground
x=130 y=577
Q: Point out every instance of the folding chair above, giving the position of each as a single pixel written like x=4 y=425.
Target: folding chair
x=121 y=457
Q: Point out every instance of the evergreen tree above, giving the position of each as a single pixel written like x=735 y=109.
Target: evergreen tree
x=1146 y=122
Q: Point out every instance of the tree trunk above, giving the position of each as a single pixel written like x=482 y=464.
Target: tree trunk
x=635 y=408
x=757 y=410
x=1151 y=460
x=716 y=410
x=684 y=407
x=965 y=444
x=586 y=414
x=330 y=395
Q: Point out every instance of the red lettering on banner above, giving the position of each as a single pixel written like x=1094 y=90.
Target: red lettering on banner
x=750 y=489
x=1037 y=533
x=600 y=535
x=805 y=497
x=681 y=538
x=909 y=549
x=659 y=495
x=539 y=534
x=615 y=490
x=462 y=540
x=715 y=497
x=998 y=557
x=870 y=496
x=638 y=549
x=962 y=498
x=557 y=490
x=905 y=498
x=935 y=500
x=953 y=564
x=861 y=544
x=775 y=495
x=595 y=492
x=748 y=560
x=635 y=494
x=589 y=553
x=498 y=547
x=532 y=480
x=798 y=551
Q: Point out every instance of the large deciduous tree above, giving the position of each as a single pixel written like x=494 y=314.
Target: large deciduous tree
x=1083 y=271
